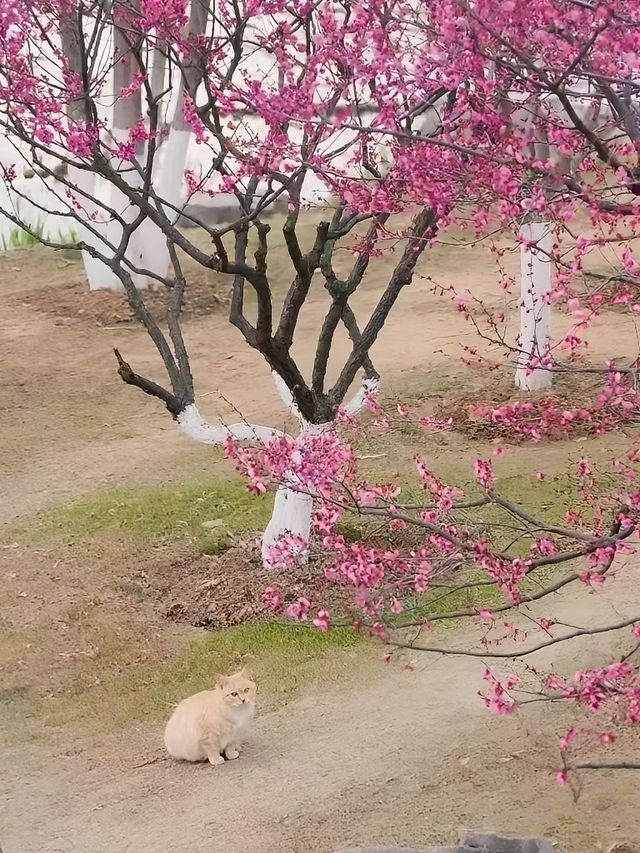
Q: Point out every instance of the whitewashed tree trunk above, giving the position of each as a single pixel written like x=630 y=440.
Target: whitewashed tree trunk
x=292 y=510
x=91 y=189
x=147 y=247
x=168 y=183
x=99 y=276
x=535 y=284
x=169 y=168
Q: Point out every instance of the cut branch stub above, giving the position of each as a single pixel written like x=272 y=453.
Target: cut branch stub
x=173 y=403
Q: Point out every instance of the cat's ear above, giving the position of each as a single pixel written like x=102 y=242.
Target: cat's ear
x=246 y=673
x=220 y=680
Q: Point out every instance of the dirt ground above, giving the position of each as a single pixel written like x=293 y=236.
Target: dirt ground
x=410 y=758
x=403 y=755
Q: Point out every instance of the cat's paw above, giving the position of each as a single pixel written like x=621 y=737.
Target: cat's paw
x=215 y=760
x=231 y=754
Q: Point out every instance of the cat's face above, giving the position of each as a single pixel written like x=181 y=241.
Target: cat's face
x=238 y=689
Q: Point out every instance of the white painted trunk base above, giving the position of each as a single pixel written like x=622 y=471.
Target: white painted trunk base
x=194 y=425
x=292 y=510
x=535 y=284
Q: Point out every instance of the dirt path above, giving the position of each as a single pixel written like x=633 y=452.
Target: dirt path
x=382 y=765
x=407 y=760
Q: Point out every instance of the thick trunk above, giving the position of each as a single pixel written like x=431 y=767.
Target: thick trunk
x=535 y=285
x=98 y=274
x=127 y=112
x=168 y=183
x=169 y=167
x=292 y=511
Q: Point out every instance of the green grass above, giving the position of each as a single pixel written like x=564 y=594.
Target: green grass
x=282 y=658
x=19 y=238
x=437 y=602
x=153 y=515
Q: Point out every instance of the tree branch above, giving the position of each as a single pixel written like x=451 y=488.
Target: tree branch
x=581 y=632
x=173 y=404
x=422 y=227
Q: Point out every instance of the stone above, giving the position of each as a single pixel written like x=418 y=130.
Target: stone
x=397 y=850
x=471 y=842
x=491 y=842
x=211 y=525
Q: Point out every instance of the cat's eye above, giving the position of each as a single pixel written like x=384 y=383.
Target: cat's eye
x=246 y=689
x=235 y=693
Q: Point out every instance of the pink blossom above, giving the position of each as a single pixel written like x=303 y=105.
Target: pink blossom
x=484 y=473
x=584 y=468
x=321 y=620
x=498 y=698
x=136 y=82
x=272 y=598
x=299 y=609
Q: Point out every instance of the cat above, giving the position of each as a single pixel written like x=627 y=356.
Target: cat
x=210 y=725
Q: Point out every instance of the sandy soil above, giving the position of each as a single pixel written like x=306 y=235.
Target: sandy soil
x=408 y=758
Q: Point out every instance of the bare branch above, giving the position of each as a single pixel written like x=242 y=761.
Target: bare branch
x=422 y=228
x=173 y=404
x=519 y=653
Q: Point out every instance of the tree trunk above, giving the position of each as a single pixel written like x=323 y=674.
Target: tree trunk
x=535 y=284
x=168 y=183
x=292 y=511
x=169 y=168
x=127 y=112
x=98 y=275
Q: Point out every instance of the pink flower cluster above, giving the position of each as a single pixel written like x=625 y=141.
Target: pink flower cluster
x=548 y=418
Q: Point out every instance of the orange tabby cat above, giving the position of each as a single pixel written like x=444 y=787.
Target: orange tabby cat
x=210 y=725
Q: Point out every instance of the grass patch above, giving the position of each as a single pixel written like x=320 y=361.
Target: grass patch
x=153 y=515
x=437 y=602
x=282 y=658
x=21 y=238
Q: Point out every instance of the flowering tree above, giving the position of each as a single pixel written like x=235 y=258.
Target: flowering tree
x=402 y=117
x=513 y=565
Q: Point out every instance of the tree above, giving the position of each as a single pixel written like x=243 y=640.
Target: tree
x=477 y=543
x=433 y=112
